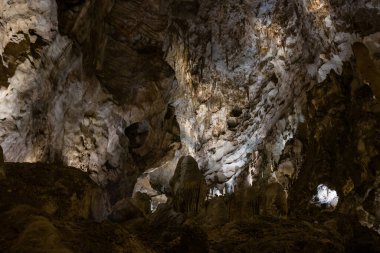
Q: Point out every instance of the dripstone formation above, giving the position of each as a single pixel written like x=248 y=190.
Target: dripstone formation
x=189 y=126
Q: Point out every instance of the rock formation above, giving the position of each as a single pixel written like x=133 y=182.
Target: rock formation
x=2 y=165
x=213 y=121
x=188 y=186
x=274 y=200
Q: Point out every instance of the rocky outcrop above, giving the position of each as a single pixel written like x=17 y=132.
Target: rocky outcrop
x=52 y=208
x=55 y=189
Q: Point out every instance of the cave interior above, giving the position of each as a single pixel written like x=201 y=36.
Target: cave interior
x=190 y=126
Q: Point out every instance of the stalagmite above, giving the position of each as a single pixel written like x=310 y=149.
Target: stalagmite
x=2 y=165
x=188 y=185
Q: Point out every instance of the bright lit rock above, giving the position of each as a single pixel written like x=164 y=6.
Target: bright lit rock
x=325 y=197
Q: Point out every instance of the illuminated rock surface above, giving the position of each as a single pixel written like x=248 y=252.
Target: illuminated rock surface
x=274 y=100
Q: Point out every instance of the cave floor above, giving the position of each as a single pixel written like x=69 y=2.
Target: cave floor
x=48 y=208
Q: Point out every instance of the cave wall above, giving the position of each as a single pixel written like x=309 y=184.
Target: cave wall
x=244 y=69
x=117 y=88
x=51 y=110
x=55 y=109
x=341 y=141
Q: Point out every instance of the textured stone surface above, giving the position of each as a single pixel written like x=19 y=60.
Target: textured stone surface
x=243 y=69
x=54 y=108
x=258 y=92
x=227 y=101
